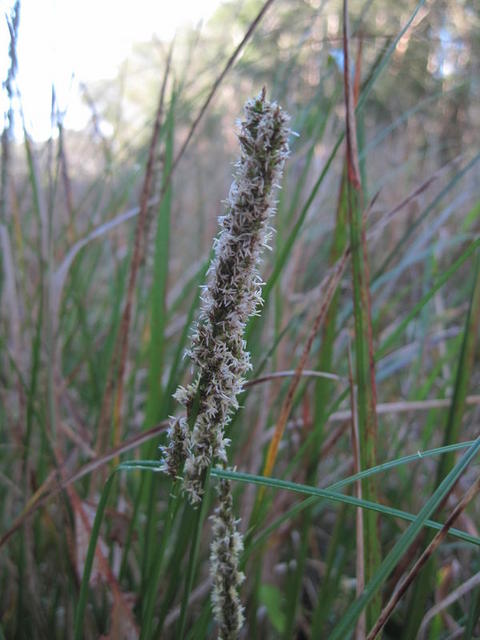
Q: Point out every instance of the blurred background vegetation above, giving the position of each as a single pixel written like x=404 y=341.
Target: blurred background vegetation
x=71 y=400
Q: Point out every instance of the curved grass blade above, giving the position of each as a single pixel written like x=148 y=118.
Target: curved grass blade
x=419 y=521
x=424 y=585
x=402 y=545
x=334 y=496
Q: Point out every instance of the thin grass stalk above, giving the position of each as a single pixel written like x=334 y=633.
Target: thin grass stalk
x=424 y=558
x=175 y=569
x=157 y=399
x=402 y=545
x=322 y=391
x=312 y=501
x=285 y=215
x=412 y=229
x=326 y=592
x=331 y=287
x=260 y=507
x=87 y=569
x=115 y=380
x=289 y=243
x=159 y=289
x=325 y=359
x=229 y=64
x=329 y=493
x=8 y=288
x=82 y=385
x=464 y=373
x=451 y=434
x=365 y=370
x=67 y=183
x=154 y=465
x=360 y=628
x=463 y=589
x=158 y=565
x=51 y=322
x=442 y=279
x=378 y=68
x=44 y=493
x=149 y=495
x=323 y=388
x=149 y=450
x=49 y=489
x=200 y=515
x=13 y=22
x=473 y=614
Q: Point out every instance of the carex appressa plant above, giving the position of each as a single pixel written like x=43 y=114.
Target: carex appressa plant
x=218 y=350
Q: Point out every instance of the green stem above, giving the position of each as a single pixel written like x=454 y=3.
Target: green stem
x=194 y=551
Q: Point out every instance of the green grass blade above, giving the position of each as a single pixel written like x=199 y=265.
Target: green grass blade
x=386 y=58
x=159 y=289
x=323 y=390
x=464 y=373
x=419 y=521
x=327 y=493
x=431 y=207
x=364 y=360
x=343 y=629
x=444 y=277
x=87 y=569
x=287 y=247
x=156 y=353
x=200 y=514
x=424 y=585
x=334 y=496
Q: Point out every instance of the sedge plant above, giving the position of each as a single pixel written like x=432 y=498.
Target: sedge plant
x=218 y=352
x=141 y=567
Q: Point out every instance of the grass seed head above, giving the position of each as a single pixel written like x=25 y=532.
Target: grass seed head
x=226 y=547
x=233 y=291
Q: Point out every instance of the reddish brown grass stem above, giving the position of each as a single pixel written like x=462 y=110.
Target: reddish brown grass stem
x=121 y=348
x=52 y=487
x=217 y=83
x=415 y=570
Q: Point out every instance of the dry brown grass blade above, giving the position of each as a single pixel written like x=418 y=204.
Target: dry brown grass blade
x=61 y=272
x=52 y=487
x=96 y=121
x=307 y=373
x=407 y=406
x=375 y=230
x=374 y=233
x=452 y=597
x=288 y=402
x=415 y=570
x=217 y=83
x=358 y=70
x=118 y=365
x=104 y=567
x=122 y=342
x=84 y=524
